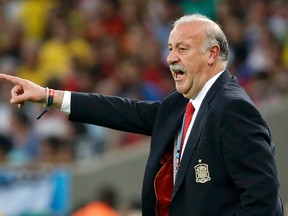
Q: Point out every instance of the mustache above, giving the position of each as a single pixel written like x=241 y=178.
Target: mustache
x=177 y=68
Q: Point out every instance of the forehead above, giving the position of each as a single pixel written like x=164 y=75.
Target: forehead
x=187 y=31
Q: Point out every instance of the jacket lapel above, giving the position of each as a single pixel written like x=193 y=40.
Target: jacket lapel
x=168 y=128
x=197 y=129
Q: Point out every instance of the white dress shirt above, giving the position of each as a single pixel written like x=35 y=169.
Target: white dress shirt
x=66 y=103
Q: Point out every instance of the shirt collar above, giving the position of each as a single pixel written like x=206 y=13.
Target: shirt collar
x=199 y=98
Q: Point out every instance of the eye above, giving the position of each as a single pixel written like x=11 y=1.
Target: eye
x=182 y=49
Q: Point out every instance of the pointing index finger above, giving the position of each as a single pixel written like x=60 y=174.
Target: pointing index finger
x=12 y=79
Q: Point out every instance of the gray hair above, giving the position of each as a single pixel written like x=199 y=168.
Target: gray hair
x=214 y=35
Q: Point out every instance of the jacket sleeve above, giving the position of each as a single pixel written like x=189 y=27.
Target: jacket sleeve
x=114 y=112
x=248 y=153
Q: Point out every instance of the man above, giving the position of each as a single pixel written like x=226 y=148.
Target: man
x=225 y=163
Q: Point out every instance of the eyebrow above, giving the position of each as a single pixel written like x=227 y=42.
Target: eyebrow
x=178 y=44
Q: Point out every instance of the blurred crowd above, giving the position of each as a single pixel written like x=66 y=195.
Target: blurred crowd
x=119 y=47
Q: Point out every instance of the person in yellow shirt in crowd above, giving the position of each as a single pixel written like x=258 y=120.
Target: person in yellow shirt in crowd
x=47 y=58
x=32 y=17
x=57 y=52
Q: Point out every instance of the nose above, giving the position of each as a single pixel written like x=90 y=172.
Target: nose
x=172 y=57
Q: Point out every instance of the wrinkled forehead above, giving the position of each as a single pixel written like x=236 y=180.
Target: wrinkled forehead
x=188 y=31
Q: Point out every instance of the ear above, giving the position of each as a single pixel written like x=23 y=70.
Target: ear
x=214 y=54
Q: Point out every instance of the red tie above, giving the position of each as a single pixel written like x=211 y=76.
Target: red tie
x=187 y=120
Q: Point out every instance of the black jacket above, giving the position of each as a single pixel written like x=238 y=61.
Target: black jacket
x=228 y=166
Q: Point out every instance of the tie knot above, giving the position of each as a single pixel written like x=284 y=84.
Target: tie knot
x=189 y=109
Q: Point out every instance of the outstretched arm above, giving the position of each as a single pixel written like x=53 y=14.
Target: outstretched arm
x=25 y=90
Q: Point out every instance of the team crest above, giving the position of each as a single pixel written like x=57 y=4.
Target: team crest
x=202 y=172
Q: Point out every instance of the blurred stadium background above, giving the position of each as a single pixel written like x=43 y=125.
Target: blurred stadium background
x=118 y=47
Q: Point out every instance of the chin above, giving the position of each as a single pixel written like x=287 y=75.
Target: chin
x=187 y=96
x=181 y=92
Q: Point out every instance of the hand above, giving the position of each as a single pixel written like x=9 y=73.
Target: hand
x=24 y=90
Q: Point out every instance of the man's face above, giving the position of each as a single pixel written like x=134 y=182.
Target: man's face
x=188 y=64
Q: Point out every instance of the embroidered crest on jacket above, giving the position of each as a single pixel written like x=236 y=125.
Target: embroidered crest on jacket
x=202 y=172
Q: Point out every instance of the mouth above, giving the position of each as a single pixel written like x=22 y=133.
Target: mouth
x=178 y=74
x=177 y=71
